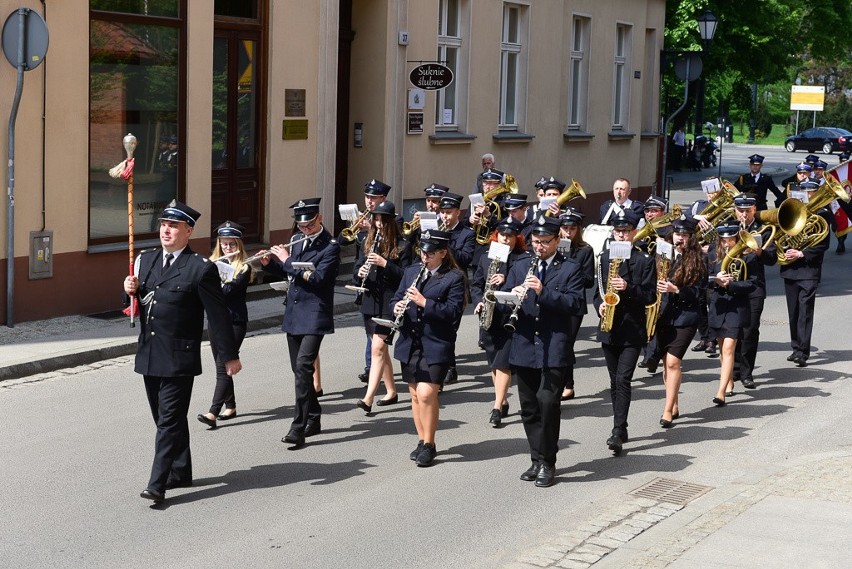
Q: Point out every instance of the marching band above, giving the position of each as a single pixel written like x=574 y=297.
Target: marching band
x=688 y=268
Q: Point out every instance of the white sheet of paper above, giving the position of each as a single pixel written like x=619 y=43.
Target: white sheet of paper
x=428 y=221
x=710 y=186
x=545 y=203
x=448 y=116
x=476 y=199
x=348 y=211
x=303 y=266
x=759 y=238
x=226 y=271
x=505 y=297
x=499 y=251
x=665 y=249
x=620 y=249
x=799 y=195
x=564 y=246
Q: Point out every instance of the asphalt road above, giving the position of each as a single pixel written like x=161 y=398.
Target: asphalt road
x=78 y=447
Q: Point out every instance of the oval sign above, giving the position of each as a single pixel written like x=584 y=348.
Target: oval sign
x=431 y=76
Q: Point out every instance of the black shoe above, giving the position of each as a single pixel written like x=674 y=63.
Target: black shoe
x=364 y=377
x=294 y=438
x=504 y=410
x=363 y=406
x=320 y=393
x=841 y=248
x=567 y=397
x=227 y=417
x=495 y=417
x=415 y=452
x=172 y=484
x=801 y=361
x=452 y=376
x=643 y=364
x=652 y=366
x=729 y=393
x=427 y=455
x=313 y=428
x=719 y=402
x=614 y=443
x=531 y=473
x=792 y=357
x=675 y=415
x=711 y=349
x=390 y=401
x=152 y=495
x=666 y=424
x=545 y=476
x=748 y=383
x=207 y=421
x=700 y=346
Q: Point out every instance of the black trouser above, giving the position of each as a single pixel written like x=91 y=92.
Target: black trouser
x=223 y=394
x=651 y=350
x=747 y=347
x=169 y=398
x=539 y=393
x=801 y=297
x=703 y=328
x=574 y=323
x=621 y=363
x=304 y=350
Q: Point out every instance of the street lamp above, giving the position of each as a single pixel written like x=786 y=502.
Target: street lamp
x=688 y=66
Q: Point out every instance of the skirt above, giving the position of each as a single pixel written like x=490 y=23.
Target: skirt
x=496 y=348
x=417 y=370
x=372 y=328
x=725 y=331
x=674 y=341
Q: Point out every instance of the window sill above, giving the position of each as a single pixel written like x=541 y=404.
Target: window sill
x=645 y=134
x=512 y=136
x=122 y=246
x=620 y=135
x=452 y=137
x=577 y=136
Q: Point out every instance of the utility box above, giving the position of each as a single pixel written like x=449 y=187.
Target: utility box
x=41 y=254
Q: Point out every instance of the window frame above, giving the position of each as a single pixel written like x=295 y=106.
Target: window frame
x=460 y=68
x=519 y=51
x=620 y=117
x=578 y=87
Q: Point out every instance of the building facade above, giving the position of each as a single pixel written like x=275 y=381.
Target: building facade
x=241 y=107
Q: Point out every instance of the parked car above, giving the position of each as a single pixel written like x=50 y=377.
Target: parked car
x=826 y=139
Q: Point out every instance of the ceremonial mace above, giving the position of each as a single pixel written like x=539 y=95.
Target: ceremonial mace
x=125 y=170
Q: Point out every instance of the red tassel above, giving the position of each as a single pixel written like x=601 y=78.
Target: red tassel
x=128 y=169
x=135 y=302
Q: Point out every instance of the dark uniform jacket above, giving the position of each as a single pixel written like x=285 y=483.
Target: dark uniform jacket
x=640 y=272
x=310 y=304
x=585 y=257
x=462 y=244
x=767 y=258
x=683 y=310
x=172 y=308
x=728 y=306
x=235 y=295
x=430 y=328
x=760 y=188
x=637 y=206
x=478 y=285
x=809 y=267
x=382 y=282
x=542 y=336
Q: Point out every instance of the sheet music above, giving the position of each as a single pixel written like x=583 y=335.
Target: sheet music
x=620 y=249
x=428 y=220
x=348 y=212
x=499 y=251
x=711 y=186
x=226 y=271
x=665 y=249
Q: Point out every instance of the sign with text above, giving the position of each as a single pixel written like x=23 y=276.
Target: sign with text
x=415 y=123
x=431 y=76
x=807 y=98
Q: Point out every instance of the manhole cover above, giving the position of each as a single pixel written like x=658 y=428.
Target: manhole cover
x=671 y=491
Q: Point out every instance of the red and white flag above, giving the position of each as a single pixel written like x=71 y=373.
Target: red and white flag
x=844 y=225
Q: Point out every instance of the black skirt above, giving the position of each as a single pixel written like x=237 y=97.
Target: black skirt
x=372 y=328
x=674 y=341
x=496 y=346
x=417 y=370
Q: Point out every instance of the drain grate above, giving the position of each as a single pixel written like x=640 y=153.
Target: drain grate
x=671 y=491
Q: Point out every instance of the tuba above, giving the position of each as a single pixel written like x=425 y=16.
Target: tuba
x=482 y=229
x=575 y=190
x=790 y=219
x=733 y=263
x=815 y=228
x=719 y=210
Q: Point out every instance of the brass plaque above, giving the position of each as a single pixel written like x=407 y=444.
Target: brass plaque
x=295 y=129
x=294 y=102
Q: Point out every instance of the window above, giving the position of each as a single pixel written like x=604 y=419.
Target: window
x=135 y=66
x=512 y=67
x=620 y=81
x=578 y=74
x=650 y=107
x=452 y=21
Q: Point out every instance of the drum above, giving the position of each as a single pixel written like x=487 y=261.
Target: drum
x=597 y=236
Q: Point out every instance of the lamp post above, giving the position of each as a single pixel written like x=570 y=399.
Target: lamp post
x=688 y=67
x=707 y=23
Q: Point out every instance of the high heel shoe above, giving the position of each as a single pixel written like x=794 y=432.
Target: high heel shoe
x=363 y=406
x=207 y=421
x=719 y=402
x=226 y=417
x=666 y=424
x=675 y=415
x=388 y=401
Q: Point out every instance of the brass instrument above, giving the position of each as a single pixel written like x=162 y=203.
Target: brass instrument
x=610 y=296
x=652 y=311
x=397 y=322
x=410 y=227
x=513 y=318
x=651 y=229
x=719 y=210
x=486 y=315
x=815 y=228
x=789 y=218
x=482 y=229
x=575 y=190
x=350 y=233
x=733 y=262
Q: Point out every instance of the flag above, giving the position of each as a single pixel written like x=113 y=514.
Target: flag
x=841 y=173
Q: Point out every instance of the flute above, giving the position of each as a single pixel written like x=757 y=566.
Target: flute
x=263 y=252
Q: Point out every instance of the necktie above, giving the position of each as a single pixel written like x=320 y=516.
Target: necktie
x=542 y=271
x=168 y=262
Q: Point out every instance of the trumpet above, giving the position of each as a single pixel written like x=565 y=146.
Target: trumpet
x=513 y=318
x=410 y=227
x=482 y=229
x=350 y=233
x=575 y=190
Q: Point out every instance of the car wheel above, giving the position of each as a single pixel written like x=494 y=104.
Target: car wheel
x=790 y=146
x=826 y=148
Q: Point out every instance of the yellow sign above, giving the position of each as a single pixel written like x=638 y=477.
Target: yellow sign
x=807 y=98
x=295 y=129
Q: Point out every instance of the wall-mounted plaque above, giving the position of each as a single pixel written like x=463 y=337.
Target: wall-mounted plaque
x=415 y=123
x=295 y=129
x=294 y=102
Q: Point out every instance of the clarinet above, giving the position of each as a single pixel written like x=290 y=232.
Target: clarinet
x=359 y=298
x=513 y=318
x=397 y=323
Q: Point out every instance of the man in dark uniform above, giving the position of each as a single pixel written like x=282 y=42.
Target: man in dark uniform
x=636 y=286
x=621 y=201
x=433 y=202
x=746 y=206
x=176 y=287
x=308 y=315
x=551 y=291
x=462 y=244
x=758 y=184
x=516 y=208
x=803 y=172
x=655 y=208
x=801 y=280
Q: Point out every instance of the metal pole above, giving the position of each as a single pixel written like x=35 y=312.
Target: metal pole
x=10 y=209
x=724 y=130
x=666 y=188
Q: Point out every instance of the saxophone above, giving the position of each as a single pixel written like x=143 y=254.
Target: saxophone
x=652 y=311
x=486 y=315
x=610 y=296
